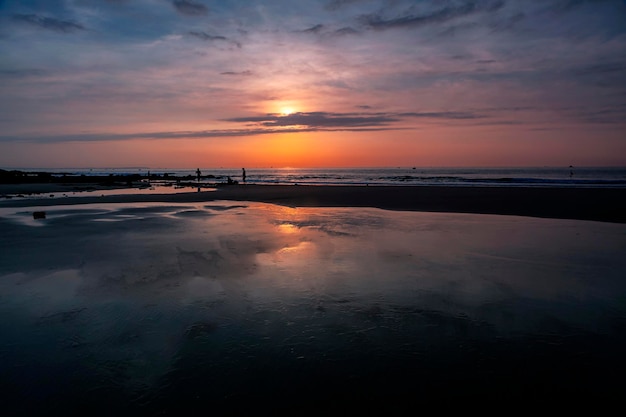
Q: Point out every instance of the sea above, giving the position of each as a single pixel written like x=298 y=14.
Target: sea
x=596 y=177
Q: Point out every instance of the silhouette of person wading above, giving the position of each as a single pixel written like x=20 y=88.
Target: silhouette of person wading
x=243 y=174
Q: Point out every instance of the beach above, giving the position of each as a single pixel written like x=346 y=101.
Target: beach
x=600 y=204
x=285 y=300
x=317 y=208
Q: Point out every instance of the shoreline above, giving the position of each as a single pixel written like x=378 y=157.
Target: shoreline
x=597 y=204
x=35 y=190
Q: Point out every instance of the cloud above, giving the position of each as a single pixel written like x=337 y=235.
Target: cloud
x=614 y=115
x=346 y=31
x=603 y=68
x=326 y=122
x=21 y=73
x=378 y=22
x=213 y=38
x=324 y=30
x=319 y=120
x=190 y=8
x=238 y=73
x=338 y=4
x=49 y=23
x=200 y=134
x=566 y=5
x=315 y=29
x=507 y=22
x=206 y=37
x=453 y=115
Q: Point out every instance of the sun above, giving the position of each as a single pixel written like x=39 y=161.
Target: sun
x=285 y=108
x=286 y=111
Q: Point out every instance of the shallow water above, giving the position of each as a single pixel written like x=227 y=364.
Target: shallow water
x=154 y=189
x=265 y=309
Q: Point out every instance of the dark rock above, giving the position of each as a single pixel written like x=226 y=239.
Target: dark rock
x=39 y=215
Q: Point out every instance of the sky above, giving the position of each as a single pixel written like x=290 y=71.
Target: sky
x=328 y=83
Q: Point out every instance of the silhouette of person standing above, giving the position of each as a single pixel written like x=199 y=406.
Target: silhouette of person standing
x=243 y=174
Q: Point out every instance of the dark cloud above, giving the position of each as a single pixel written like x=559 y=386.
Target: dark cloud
x=107 y=137
x=453 y=115
x=206 y=37
x=346 y=31
x=49 y=23
x=264 y=125
x=314 y=29
x=348 y=120
x=319 y=119
x=190 y=8
x=328 y=122
x=324 y=30
x=237 y=73
x=212 y=38
x=377 y=21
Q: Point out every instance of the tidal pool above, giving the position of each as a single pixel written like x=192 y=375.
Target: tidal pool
x=253 y=308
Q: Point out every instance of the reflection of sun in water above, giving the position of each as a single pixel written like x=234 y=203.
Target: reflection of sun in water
x=288 y=228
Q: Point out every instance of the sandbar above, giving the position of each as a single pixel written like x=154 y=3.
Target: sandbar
x=597 y=204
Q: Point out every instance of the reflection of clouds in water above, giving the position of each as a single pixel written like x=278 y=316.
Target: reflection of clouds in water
x=448 y=261
x=156 y=247
x=339 y=222
x=167 y=289
x=138 y=256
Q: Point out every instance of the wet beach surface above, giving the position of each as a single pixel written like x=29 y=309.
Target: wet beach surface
x=598 y=204
x=243 y=308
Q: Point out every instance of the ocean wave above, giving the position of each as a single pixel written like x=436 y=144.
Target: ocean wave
x=609 y=177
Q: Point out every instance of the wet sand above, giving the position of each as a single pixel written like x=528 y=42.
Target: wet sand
x=599 y=204
x=152 y=309
x=44 y=189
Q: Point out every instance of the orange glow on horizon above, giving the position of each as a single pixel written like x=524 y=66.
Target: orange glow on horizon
x=449 y=147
